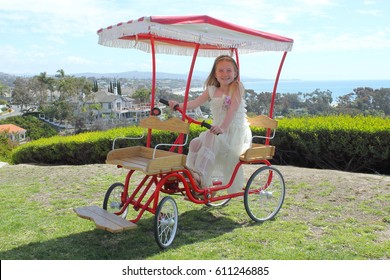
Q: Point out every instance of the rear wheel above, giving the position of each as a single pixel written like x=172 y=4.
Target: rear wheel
x=264 y=194
x=165 y=222
x=113 y=201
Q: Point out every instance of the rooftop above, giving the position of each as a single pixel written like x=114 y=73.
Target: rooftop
x=11 y=128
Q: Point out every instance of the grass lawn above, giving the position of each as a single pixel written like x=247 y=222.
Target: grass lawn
x=326 y=215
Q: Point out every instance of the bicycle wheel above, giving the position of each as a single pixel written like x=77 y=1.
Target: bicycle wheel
x=264 y=194
x=165 y=222
x=113 y=199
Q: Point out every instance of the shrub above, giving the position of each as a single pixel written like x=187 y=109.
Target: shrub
x=6 y=146
x=83 y=148
x=357 y=144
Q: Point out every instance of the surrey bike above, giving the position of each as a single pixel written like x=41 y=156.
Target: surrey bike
x=161 y=166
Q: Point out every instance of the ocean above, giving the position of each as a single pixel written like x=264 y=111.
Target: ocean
x=338 y=88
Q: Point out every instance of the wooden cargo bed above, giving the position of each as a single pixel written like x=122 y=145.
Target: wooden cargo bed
x=141 y=158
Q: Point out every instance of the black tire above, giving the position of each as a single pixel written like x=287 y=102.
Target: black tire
x=264 y=194
x=113 y=199
x=165 y=222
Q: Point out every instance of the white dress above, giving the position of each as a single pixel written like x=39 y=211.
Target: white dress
x=219 y=154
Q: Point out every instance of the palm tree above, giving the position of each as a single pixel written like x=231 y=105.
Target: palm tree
x=61 y=73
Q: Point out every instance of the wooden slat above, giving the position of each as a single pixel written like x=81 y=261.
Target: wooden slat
x=263 y=121
x=172 y=124
x=258 y=152
x=141 y=158
x=124 y=152
x=167 y=162
x=136 y=162
x=104 y=220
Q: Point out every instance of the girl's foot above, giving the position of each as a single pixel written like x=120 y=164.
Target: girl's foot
x=198 y=177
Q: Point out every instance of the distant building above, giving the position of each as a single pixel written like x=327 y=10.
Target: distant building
x=123 y=107
x=14 y=132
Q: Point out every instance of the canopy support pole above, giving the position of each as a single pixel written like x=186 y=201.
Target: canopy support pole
x=189 y=78
x=180 y=138
x=153 y=93
x=271 y=110
x=237 y=62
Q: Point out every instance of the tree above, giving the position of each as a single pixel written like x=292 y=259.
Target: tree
x=365 y=100
x=381 y=100
x=258 y=103
x=318 y=102
x=6 y=146
x=3 y=90
x=21 y=94
x=60 y=74
x=40 y=84
x=95 y=86
x=345 y=104
x=143 y=95
x=289 y=102
x=118 y=88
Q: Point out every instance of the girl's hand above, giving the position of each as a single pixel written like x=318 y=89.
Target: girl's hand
x=172 y=104
x=215 y=129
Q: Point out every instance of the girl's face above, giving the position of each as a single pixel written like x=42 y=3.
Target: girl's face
x=225 y=72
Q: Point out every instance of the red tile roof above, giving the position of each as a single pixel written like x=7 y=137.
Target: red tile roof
x=11 y=128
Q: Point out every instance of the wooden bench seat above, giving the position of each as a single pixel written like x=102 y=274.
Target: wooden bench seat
x=141 y=158
x=258 y=152
x=261 y=151
x=152 y=160
x=104 y=220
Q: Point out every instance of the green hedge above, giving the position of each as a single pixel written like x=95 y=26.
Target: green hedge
x=83 y=148
x=358 y=144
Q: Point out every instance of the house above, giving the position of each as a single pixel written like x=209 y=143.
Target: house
x=123 y=107
x=14 y=132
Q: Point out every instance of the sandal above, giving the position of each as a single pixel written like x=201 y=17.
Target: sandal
x=197 y=176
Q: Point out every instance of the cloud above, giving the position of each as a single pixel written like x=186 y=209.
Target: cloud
x=369 y=2
x=353 y=41
x=8 y=51
x=375 y=13
x=71 y=17
x=316 y=3
x=77 y=60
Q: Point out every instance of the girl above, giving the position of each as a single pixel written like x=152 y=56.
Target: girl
x=216 y=151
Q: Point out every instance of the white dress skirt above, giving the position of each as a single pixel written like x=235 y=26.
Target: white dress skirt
x=219 y=154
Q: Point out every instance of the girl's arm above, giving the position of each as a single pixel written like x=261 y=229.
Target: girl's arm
x=201 y=99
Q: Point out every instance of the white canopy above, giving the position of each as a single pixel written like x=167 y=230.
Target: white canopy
x=179 y=35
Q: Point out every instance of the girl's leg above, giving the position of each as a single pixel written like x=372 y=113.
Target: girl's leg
x=205 y=158
x=192 y=155
x=193 y=152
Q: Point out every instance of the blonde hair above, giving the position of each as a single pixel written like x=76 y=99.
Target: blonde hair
x=212 y=80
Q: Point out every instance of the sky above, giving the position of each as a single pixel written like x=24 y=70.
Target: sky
x=333 y=39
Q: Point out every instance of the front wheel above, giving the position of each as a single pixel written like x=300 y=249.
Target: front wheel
x=165 y=222
x=113 y=200
x=264 y=194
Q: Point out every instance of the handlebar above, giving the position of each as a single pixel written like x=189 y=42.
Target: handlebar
x=189 y=119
